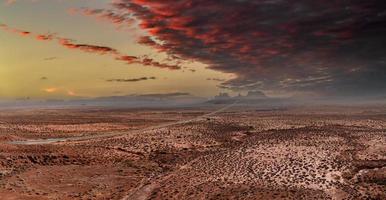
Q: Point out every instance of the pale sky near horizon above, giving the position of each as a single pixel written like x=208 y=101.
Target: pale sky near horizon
x=45 y=69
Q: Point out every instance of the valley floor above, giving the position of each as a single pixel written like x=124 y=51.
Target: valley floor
x=240 y=153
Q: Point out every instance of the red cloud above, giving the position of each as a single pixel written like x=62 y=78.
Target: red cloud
x=268 y=41
x=12 y=30
x=86 y=47
x=118 y=19
x=45 y=37
x=70 y=44
x=128 y=59
x=147 y=62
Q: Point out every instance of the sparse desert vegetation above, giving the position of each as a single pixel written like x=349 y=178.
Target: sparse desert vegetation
x=240 y=153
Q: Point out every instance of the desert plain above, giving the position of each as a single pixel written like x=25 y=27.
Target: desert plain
x=323 y=152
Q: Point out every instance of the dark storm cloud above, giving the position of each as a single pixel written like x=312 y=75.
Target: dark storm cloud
x=332 y=47
x=132 y=79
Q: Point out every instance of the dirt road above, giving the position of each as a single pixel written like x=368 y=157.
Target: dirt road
x=108 y=135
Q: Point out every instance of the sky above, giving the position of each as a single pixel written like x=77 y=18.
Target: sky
x=92 y=48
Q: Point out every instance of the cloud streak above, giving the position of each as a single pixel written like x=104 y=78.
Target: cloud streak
x=166 y=95
x=90 y=48
x=59 y=89
x=13 y=30
x=132 y=79
x=87 y=47
x=50 y=90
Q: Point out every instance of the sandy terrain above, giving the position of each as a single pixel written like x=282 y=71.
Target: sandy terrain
x=239 y=153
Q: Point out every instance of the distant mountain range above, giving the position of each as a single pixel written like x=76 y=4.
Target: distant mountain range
x=181 y=99
x=146 y=100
